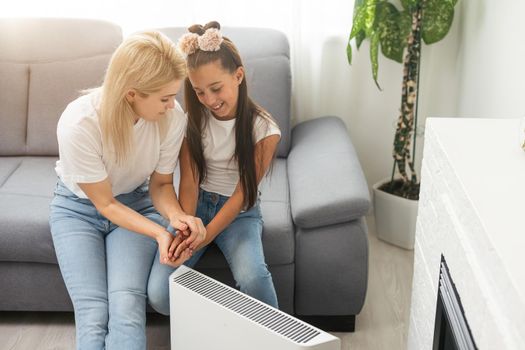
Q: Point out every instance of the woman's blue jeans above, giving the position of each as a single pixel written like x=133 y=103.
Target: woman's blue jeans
x=242 y=247
x=105 y=268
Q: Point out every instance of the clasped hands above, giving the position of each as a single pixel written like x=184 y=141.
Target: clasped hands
x=175 y=250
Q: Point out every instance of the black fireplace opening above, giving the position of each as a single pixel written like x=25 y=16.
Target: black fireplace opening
x=451 y=329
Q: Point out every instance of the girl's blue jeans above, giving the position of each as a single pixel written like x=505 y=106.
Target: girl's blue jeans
x=242 y=247
x=105 y=268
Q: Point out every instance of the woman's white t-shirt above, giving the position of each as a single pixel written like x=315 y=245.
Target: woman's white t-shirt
x=218 y=141
x=83 y=159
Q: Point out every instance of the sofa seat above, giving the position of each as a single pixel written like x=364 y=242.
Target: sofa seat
x=28 y=182
x=26 y=189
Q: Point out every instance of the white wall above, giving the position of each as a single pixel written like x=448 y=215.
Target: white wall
x=477 y=70
x=370 y=114
x=492 y=57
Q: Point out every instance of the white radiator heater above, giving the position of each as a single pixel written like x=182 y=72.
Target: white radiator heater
x=207 y=314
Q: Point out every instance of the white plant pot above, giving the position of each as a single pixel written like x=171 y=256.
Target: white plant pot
x=395 y=217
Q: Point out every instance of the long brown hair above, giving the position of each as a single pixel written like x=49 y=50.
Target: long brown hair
x=247 y=111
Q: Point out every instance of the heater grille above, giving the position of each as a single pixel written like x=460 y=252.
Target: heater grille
x=252 y=309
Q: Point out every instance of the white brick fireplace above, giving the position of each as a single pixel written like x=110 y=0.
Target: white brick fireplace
x=472 y=210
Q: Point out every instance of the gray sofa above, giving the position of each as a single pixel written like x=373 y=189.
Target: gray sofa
x=313 y=202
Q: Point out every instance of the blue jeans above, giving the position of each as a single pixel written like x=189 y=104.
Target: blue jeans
x=105 y=268
x=242 y=247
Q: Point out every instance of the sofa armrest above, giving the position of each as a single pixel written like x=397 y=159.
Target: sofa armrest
x=327 y=184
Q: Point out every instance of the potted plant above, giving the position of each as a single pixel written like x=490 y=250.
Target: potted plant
x=399 y=34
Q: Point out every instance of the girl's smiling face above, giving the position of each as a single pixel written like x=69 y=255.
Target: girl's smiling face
x=217 y=89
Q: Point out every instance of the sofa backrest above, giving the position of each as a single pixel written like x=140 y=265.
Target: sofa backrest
x=44 y=64
x=266 y=56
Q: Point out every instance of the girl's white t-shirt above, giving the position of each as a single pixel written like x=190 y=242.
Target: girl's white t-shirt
x=83 y=159
x=218 y=141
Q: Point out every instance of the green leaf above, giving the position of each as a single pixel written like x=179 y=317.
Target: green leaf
x=370 y=7
x=364 y=17
x=358 y=3
x=436 y=20
x=410 y=5
x=359 y=38
x=349 y=52
x=393 y=30
x=363 y=23
x=358 y=23
x=374 y=50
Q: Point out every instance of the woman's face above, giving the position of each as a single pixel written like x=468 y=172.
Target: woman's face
x=153 y=107
x=217 y=89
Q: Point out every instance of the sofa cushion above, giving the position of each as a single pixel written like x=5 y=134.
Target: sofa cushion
x=14 y=86
x=327 y=184
x=27 y=189
x=262 y=74
x=267 y=52
x=8 y=165
x=279 y=231
x=33 y=176
x=25 y=195
x=44 y=62
x=25 y=234
x=33 y=40
x=52 y=86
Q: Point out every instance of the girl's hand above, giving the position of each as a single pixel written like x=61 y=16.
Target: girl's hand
x=185 y=254
x=179 y=241
x=193 y=235
x=165 y=241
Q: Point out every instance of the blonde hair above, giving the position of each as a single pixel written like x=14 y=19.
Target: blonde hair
x=145 y=62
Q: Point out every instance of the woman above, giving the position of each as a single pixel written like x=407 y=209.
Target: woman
x=103 y=220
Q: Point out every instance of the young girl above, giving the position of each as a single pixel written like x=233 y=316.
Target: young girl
x=104 y=227
x=230 y=143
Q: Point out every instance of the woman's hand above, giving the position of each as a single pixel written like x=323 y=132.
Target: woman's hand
x=191 y=238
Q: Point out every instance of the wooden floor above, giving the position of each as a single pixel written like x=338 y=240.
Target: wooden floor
x=382 y=323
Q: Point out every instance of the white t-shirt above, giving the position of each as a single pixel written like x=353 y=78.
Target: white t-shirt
x=83 y=159
x=218 y=141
